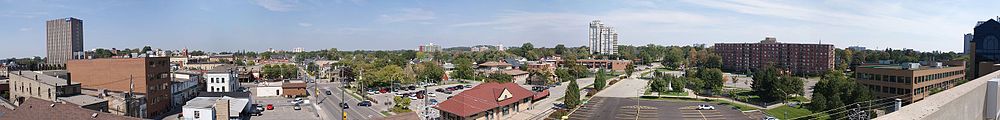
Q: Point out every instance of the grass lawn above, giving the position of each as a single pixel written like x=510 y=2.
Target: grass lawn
x=399 y=110
x=386 y=113
x=793 y=112
x=676 y=93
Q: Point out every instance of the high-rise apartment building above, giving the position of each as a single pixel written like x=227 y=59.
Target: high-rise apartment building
x=63 y=39
x=603 y=39
x=797 y=58
x=429 y=48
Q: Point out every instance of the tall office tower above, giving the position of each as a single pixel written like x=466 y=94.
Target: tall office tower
x=603 y=39
x=63 y=40
x=985 y=48
x=967 y=40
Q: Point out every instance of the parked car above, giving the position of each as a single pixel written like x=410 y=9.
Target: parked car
x=559 y=106
x=270 y=107
x=434 y=101
x=297 y=107
x=431 y=94
x=447 y=92
x=439 y=90
x=329 y=93
x=769 y=118
x=365 y=103
x=344 y=105
x=413 y=97
x=705 y=107
x=412 y=87
x=420 y=96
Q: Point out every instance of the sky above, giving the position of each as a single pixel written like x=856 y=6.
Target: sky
x=256 y=25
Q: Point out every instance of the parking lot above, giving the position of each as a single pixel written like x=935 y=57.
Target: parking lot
x=607 y=108
x=283 y=110
x=417 y=105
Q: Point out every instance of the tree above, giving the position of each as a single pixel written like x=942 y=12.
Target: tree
x=559 y=49
x=197 y=53
x=572 y=97
x=713 y=61
x=103 y=53
x=770 y=85
x=600 y=81
x=430 y=70
x=712 y=78
x=818 y=102
x=565 y=74
x=401 y=102
x=463 y=69
x=146 y=49
x=499 y=78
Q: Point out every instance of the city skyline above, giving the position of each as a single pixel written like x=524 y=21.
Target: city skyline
x=391 y=25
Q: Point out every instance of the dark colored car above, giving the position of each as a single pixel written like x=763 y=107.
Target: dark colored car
x=365 y=103
x=344 y=105
x=329 y=93
x=413 y=87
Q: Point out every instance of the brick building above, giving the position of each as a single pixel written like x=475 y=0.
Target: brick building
x=150 y=76
x=912 y=81
x=797 y=58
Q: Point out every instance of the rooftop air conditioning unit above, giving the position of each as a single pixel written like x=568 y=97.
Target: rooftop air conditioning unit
x=910 y=66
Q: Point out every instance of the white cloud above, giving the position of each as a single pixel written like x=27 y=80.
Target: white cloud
x=412 y=14
x=23 y=29
x=306 y=24
x=277 y=5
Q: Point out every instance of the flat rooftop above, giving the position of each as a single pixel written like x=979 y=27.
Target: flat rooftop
x=82 y=99
x=898 y=67
x=50 y=80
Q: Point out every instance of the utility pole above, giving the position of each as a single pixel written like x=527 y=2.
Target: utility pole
x=427 y=98
x=128 y=98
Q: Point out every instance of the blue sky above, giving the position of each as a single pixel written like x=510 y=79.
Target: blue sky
x=255 y=25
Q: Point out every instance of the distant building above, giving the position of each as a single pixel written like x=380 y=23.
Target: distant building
x=985 y=48
x=486 y=101
x=293 y=89
x=63 y=40
x=268 y=89
x=143 y=76
x=857 y=48
x=299 y=49
x=968 y=43
x=797 y=58
x=493 y=66
x=616 y=65
x=429 y=48
x=603 y=39
x=912 y=80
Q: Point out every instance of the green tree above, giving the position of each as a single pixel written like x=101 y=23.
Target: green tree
x=565 y=74
x=818 y=102
x=770 y=85
x=572 y=96
x=463 y=69
x=559 y=49
x=712 y=77
x=146 y=49
x=600 y=81
x=431 y=70
x=401 y=102
x=499 y=78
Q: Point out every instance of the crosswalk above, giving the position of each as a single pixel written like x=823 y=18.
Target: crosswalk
x=690 y=113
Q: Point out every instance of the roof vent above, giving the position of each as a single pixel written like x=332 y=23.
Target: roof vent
x=52 y=105
x=93 y=115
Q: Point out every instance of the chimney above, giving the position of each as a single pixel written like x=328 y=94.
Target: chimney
x=69 y=78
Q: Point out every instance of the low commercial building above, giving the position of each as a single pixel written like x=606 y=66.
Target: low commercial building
x=486 y=101
x=493 y=66
x=221 y=81
x=617 y=65
x=34 y=84
x=268 y=89
x=519 y=76
x=293 y=89
x=182 y=89
x=910 y=81
x=217 y=108
x=38 y=109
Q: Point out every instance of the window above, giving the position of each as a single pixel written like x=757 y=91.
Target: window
x=197 y=114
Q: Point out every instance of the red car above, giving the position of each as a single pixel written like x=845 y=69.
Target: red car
x=383 y=90
x=270 y=107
